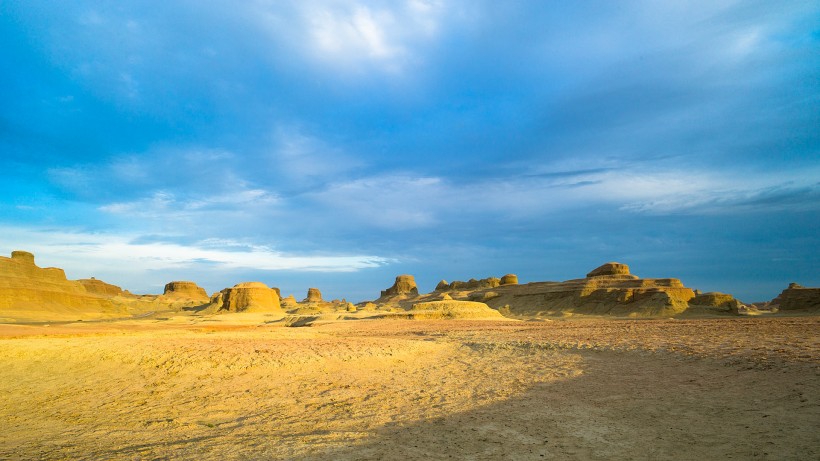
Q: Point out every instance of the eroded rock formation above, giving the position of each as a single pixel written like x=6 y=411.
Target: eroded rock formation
x=29 y=291
x=797 y=297
x=98 y=287
x=509 y=279
x=450 y=309
x=313 y=296
x=405 y=285
x=250 y=297
x=186 y=290
x=610 y=269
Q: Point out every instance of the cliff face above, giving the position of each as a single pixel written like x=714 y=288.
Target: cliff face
x=29 y=291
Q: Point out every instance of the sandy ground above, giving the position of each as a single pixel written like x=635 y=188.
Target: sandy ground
x=241 y=388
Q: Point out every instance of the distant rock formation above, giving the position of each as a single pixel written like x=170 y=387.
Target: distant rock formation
x=442 y=286
x=509 y=279
x=797 y=297
x=610 y=269
x=98 y=287
x=186 y=290
x=250 y=297
x=313 y=296
x=405 y=285
x=607 y=290
x=473 y=284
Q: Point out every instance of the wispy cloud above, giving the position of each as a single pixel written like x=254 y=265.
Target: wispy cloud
x=128 y=258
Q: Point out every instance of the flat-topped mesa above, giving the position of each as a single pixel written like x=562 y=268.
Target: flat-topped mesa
x=185 y=289
x=250 y=297
x=797 y=297
x=404 y=285
x=99 y=287
x=611 y=269
x=313 y=296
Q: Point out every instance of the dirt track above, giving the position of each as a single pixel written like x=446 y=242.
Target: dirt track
x=693 y=389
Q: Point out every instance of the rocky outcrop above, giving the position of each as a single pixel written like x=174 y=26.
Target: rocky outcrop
x=405 y=285
x=313 y=296
x=442 y=286
x=185 y=290
x=509 y=279
x=99 y=287
x=473 y=284
x=797 y=297
x=31 y=292
x=250 y=297
x=717 y=301
x=610 y=269
x=608 y=290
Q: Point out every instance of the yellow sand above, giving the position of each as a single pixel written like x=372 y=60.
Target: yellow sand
x=234 y=387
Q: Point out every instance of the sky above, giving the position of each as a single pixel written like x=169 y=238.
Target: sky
x=337 y=144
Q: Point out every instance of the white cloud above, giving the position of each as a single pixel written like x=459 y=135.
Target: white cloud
x=357 y=36
x=84 y=254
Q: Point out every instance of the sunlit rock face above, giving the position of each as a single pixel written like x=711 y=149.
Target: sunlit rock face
x=250 y=297
x=405 y=285
x=26 y=288
x=185 y=289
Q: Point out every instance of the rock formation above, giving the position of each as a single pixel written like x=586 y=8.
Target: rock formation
x=608 y=290
x=405 y=285
x=797 y=297
x=715 y=299
x=289 y=302
x=449 y=309
x=313 y=296
x=473 y=284
x=29 y=291
x=250 y=297
x=98 y=287
x=509 y=279
x=187 y=290
x=610 y=269
x=442 y=286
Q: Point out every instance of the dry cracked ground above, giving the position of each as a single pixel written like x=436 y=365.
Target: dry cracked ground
x=388 y=389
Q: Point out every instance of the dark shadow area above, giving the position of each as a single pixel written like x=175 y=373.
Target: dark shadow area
x=624 y=406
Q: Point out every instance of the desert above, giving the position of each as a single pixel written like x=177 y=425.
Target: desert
x=610 y=366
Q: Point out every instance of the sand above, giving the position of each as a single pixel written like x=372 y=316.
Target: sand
x=242 y=388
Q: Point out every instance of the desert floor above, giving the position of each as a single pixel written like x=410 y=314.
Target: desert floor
x=240 y=388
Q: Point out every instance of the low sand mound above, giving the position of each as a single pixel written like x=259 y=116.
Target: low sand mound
x=450 y=309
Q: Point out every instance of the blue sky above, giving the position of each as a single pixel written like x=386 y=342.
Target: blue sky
x=337 y=144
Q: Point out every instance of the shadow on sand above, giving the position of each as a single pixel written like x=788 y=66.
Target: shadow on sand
x=624 y=406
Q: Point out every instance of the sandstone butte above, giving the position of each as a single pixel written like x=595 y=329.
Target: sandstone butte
x=28 y=292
